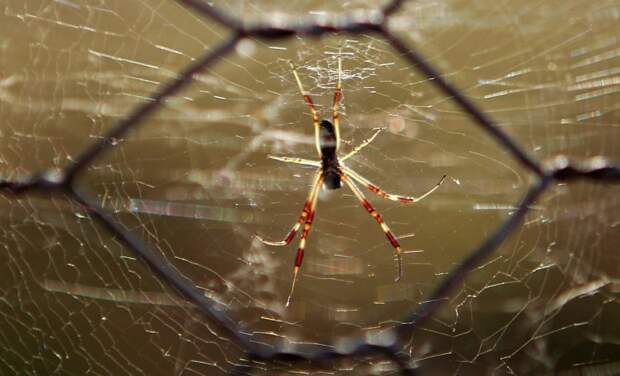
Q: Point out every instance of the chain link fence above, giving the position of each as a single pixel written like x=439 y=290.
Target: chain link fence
x=387 y=343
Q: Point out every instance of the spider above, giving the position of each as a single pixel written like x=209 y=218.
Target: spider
x=331 y=172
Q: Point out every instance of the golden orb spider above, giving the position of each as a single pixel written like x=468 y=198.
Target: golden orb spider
x=331 y=172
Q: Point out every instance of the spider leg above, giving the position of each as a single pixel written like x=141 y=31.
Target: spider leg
x=390 y=196
x=304 y=235
x=301 y=161
x=371 y=210
x=361 y=146
x=303 y=216
x=337 y=98
x=308 y=100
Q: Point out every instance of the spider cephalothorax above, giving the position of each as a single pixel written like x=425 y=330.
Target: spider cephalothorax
x=331 y=173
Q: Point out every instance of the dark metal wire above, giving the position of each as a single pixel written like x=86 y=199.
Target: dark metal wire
x=389 y=343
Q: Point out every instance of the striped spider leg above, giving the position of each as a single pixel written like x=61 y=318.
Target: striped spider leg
x=390 y=196
x=304 y=235
x=386 y=229
x=304 y=213
x=308 y=100
x=359 y=147
x=306 y=218
x=336 y=103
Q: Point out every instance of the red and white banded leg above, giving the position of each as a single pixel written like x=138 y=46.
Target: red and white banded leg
x=371 y=210
x=316 y=185
x=308 y=100
x=337 y=98
x=390 y=196
x=302 y=243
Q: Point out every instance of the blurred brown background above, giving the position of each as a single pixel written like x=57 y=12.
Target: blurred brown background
x=195 y=183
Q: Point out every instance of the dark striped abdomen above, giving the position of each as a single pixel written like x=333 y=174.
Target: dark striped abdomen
x=331 y=178
x=329 y=159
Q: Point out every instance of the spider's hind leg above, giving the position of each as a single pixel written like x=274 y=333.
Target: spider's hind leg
x=388 y=233
x=390 y=196
x=302 y=242
x=302 y=217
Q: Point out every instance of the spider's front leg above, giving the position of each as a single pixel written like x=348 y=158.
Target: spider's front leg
x=336 y=102
x=308 y=100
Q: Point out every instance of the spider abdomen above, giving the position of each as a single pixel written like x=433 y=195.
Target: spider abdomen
x=331 y=179
x=329 y=159
x=331 y=171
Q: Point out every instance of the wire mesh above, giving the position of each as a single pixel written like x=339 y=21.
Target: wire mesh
x=386 y=342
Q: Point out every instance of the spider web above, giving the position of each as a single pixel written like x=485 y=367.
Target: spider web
x=194 y=182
